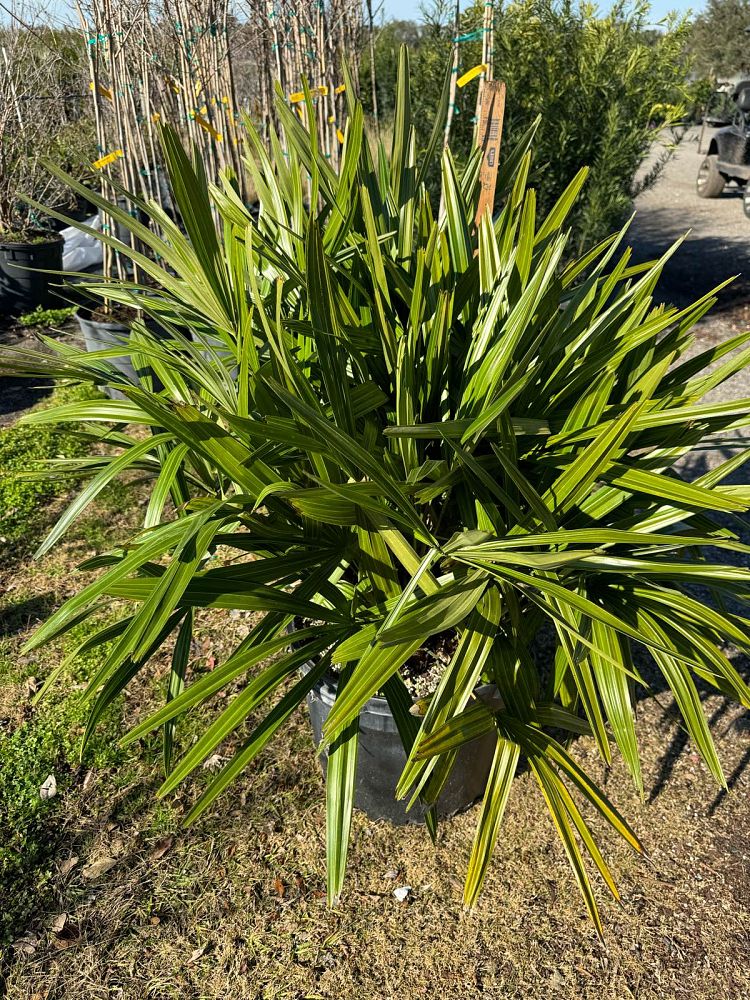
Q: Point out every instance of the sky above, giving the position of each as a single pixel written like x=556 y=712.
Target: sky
x=409 y=9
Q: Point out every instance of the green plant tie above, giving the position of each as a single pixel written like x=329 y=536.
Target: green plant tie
x=471 y=36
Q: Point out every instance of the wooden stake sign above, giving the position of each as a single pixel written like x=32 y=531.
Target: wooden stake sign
x=489 y=135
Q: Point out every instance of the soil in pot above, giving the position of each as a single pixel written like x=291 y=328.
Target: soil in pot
x=23 y=259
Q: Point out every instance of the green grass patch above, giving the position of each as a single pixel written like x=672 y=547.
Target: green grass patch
x=38 y=741
x=46 y=317
x=24 y=502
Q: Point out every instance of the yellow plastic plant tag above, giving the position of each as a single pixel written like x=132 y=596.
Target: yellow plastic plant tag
x=208 y=127
x=340 y=89
x=471 y=74
x=339 y=135
x=103 y=91
x=299 y=95
x=104 y=161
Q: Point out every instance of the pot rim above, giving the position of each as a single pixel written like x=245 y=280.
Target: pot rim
x=327 y=686
x=52 y=239
x=80 y=315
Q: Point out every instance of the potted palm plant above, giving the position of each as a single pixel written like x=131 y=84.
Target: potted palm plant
x=442 y=442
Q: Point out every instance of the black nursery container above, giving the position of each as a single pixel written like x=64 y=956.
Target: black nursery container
x=22 y=289
x=381 y=759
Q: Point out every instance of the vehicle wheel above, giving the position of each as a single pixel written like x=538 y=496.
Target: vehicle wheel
x=746 y=201
x=710 y=182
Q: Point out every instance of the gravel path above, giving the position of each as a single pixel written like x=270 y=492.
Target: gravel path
x=718 y=241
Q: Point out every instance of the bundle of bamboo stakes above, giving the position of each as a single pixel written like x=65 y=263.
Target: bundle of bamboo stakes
x=174 y=61
x=311 y=40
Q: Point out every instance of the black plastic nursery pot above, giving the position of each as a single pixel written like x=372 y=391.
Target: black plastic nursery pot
x=381 y=759
x=22 y=286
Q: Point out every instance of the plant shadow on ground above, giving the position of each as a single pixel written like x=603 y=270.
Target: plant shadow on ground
x=703 y=260
x=16 y=394
x=18 y=616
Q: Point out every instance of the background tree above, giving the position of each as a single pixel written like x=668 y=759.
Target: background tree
x=718 y=41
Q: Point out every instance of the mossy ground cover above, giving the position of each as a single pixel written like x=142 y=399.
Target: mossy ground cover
x=23 y=502
x=103 y=894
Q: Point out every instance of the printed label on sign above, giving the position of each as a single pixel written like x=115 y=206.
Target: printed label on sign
x=488 y=139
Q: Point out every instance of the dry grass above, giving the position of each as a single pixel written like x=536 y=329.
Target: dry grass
x=235 y=908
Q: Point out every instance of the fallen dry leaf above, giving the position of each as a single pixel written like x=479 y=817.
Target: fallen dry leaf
x=117 y=846
x=26 y=945
x=66 y=867
x=279 y=887
x=213 y=763
x=198 y=953
x=59 y=922
x=161 y=847
x=97 y=868
x=48 y=789
x=32 y=685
